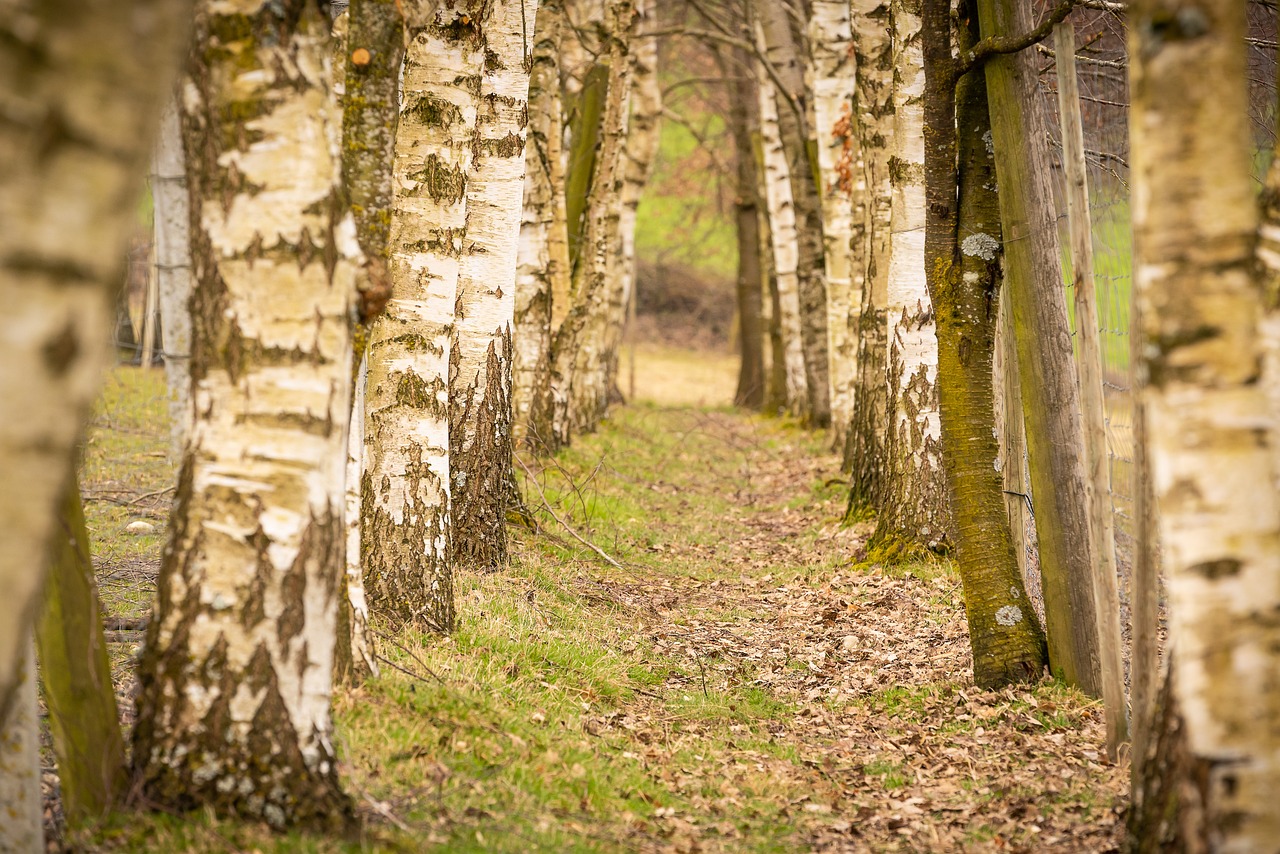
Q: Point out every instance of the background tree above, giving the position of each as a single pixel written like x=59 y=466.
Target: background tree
x=236 y=677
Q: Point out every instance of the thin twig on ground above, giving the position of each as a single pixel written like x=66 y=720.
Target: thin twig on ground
x=546 y=504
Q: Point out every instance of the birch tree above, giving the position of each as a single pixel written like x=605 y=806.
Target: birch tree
x=173 y=269
x=1210 y=430
x=481 y=360
x=830 y=47
x=233 y=708
x=74 y=148
x=20 y=798
x=405 y=522
x=912 y=500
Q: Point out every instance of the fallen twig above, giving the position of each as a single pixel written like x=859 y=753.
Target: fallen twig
x=599 y=551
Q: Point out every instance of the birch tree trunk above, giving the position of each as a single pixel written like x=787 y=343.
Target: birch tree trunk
x=785 y=242
x=581 y=396
x=1208 y=421
x=864 y=450
x=912 y=506
x=235 y=680
x=74 y=160
x=358 y=659
x=1008 y=643
x=405 y=521
x=542 y=267
x=173 y=270
x=794 y=129
x=834 y=73
x=22 y=830
x=1050 y=391
x=481 y=358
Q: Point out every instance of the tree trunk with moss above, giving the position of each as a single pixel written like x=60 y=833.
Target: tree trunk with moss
x=405 y=520
x=235 y=680
x=542 y=267
x=750 y=392
x=78 y=691
x=1050 y=391
x=864 y=448
x=481 y=355
x=1210 y=431
x=785 y=241
x=1004 y=633
x=832 y=60
x=795 y=130
x=75 y=142
x=912 y=506
x=581 y=394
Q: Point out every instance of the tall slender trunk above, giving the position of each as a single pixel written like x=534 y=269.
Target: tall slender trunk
x=581 y=396
x=864 y=450
x=356 y=657
x=750 y=286
x=542 y=270
x=20 y=799
x=1008 y=643
x=405 y=519
x=1210 y=427
x=481 y=356
x=785 y=242
x=1050 y=396
x=173 y=270
x=912 y=505
x=834 y=73
x=235 y=680
x=74 y=142
x=794 y=127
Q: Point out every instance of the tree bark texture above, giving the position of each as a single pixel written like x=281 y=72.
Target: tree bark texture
x=74 y=162
x=1209 y=425
x=1050 y=396
x=22 y=828
x=794 y=126
x=912 y=507
x=235 y=680
x=169 y=196
x=864 y=449
x=834 y=73
x=78 y=692
x=1004 y=633
x=356 y=656
x=750 y=391
x=480 y=366
x=405 y=518
x=542 y=269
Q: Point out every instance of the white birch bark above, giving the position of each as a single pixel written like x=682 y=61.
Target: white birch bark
x=406 y=522
x=236 y=677
x=173 y=270
x=782 y=232
x=74 y=147
x=913 y=495
x=1210 y=429
x=830 y=47
x=21 y=807
x=363 y=657
x=480 y=371
x=539 y=266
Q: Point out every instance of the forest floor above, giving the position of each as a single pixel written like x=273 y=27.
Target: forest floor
x=739 y=681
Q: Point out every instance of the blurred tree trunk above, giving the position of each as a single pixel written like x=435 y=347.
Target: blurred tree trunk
x=542 y=270
x=834 y=72
x=1210 y=428
x=1050 y=396
x=405 y=529
x=1008 y=644
x=236 y=676
x=912 y=506
x=78 y=692
x=173 y=270
x=794 y=127
x=873 y=121
x=481 y=357
x=74 y=142
x=20 y=797
x=750 y=286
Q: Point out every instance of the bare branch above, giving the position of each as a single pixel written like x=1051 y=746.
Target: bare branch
x=998 y=45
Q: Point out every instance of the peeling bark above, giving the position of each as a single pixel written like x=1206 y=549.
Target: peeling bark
x=236 y=676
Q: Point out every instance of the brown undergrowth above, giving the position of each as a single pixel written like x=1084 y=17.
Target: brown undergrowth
x=738 y=679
